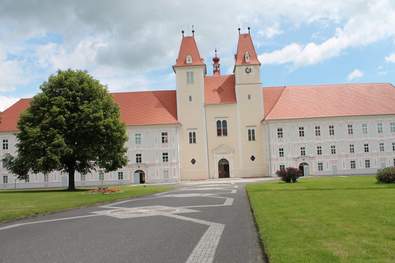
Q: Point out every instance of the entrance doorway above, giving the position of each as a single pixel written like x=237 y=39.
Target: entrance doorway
x=223 y=168
x=304 y=169
x=139 y=177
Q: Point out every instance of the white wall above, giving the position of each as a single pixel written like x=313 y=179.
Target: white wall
x=340 y=162
x=151 y=148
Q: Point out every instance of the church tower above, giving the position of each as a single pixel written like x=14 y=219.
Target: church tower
x=249 y=98
x=190 y=71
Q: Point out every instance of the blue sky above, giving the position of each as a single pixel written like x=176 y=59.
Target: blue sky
x=130 y=45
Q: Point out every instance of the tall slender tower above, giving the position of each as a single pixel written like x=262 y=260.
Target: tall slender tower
x=249 y=97
x=190 y=71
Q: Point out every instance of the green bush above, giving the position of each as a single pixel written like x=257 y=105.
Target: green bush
x=386 y=175
x=289 y=175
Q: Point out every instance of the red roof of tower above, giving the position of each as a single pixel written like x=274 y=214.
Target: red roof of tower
x=188 y=47
x=244 y=45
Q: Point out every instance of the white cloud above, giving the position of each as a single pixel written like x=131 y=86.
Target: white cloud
x=358 y=31
x=6 y=102
x=11 y=73
x=390 y=58
x=270 y=31
x=355 y=74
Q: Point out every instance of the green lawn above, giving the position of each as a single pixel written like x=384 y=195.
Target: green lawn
x=329 y=219
x=16 y=204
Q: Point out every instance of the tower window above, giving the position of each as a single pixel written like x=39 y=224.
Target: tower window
x=138 y=158
x=188 y=59
x=189 y=77
x=247 y=57
x=249 y=96
x=251 y=134
x=222 y=128
x=190 y=98
x=192 y=137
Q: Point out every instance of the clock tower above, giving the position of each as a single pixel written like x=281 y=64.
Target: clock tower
x=248 y=88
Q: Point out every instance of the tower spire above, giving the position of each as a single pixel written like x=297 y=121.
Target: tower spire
x=216 y=65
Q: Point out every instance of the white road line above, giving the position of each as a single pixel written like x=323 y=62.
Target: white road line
x=45 y=221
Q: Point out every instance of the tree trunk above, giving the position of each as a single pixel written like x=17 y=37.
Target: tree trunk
x=71 y=180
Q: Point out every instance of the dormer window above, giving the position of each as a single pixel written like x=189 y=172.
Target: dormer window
x=247 y=57
x=188 y=59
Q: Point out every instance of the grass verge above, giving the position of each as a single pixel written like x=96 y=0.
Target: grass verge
x=16 y=204
x=329 y=219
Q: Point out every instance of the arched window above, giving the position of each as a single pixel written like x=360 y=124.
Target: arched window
x=247 y=57
x=224 y=128
x=219 y=128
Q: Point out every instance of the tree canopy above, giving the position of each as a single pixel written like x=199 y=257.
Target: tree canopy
x=73 y=124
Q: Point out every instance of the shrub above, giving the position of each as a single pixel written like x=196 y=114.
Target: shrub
x=289 y=175
x=386 y=175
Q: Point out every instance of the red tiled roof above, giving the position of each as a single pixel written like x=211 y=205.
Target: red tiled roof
x=244 y=45
x=9 y=118
x=219 y=89
x=314 y=101
x=188 y=47
x=137 y=108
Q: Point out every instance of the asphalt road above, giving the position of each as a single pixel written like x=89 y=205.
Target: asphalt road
x=194 y=223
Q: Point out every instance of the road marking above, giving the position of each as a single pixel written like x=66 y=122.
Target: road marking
x=45 y=221
x=205 y=249
x=144 y=211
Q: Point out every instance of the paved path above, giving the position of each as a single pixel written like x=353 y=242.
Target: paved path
x=194 y=223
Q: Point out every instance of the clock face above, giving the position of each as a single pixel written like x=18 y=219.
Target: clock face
x=248 y=70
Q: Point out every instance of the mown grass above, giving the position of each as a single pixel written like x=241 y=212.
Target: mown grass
x=15 y=204
x=330 y=219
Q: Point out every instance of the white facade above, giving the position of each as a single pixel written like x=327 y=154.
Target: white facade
x=359 y=145
x=159 y=161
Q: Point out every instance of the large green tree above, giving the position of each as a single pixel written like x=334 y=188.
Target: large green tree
x=72 y=125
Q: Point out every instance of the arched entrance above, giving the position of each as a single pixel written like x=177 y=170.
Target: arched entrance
x=223 y=168
x=304 y=169
x=139 y=177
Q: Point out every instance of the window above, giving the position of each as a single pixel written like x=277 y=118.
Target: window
x=331 y=130
x=189 y=77
x=46 y=178
x=367 y=163
x=352 y=165
x=249 y=96
x=301 y=131
x=137 y=138
x=165 y=138
x=333 y=149
x=282 y=167
x=366 y=147
x=303 y=151
x=190 y=98
x=394 y=163
x=188 y=59
x=320 y=166
x=251 y=134
x=381 y=147
x=281 y=152
x=247 y=57
x=349 y=129
x=319 y=150
x=165 y=157
x=317 y=131
x=120 y=175
x=138 y=158
x=5 y=144
x=5 y=179
x=364 y=128
x=222 y=128
x=192 y=137
x=280 y=133
x=27 y=179
x=393 y=146
x=352 y=149
x=392 y=125
x=380 y=127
